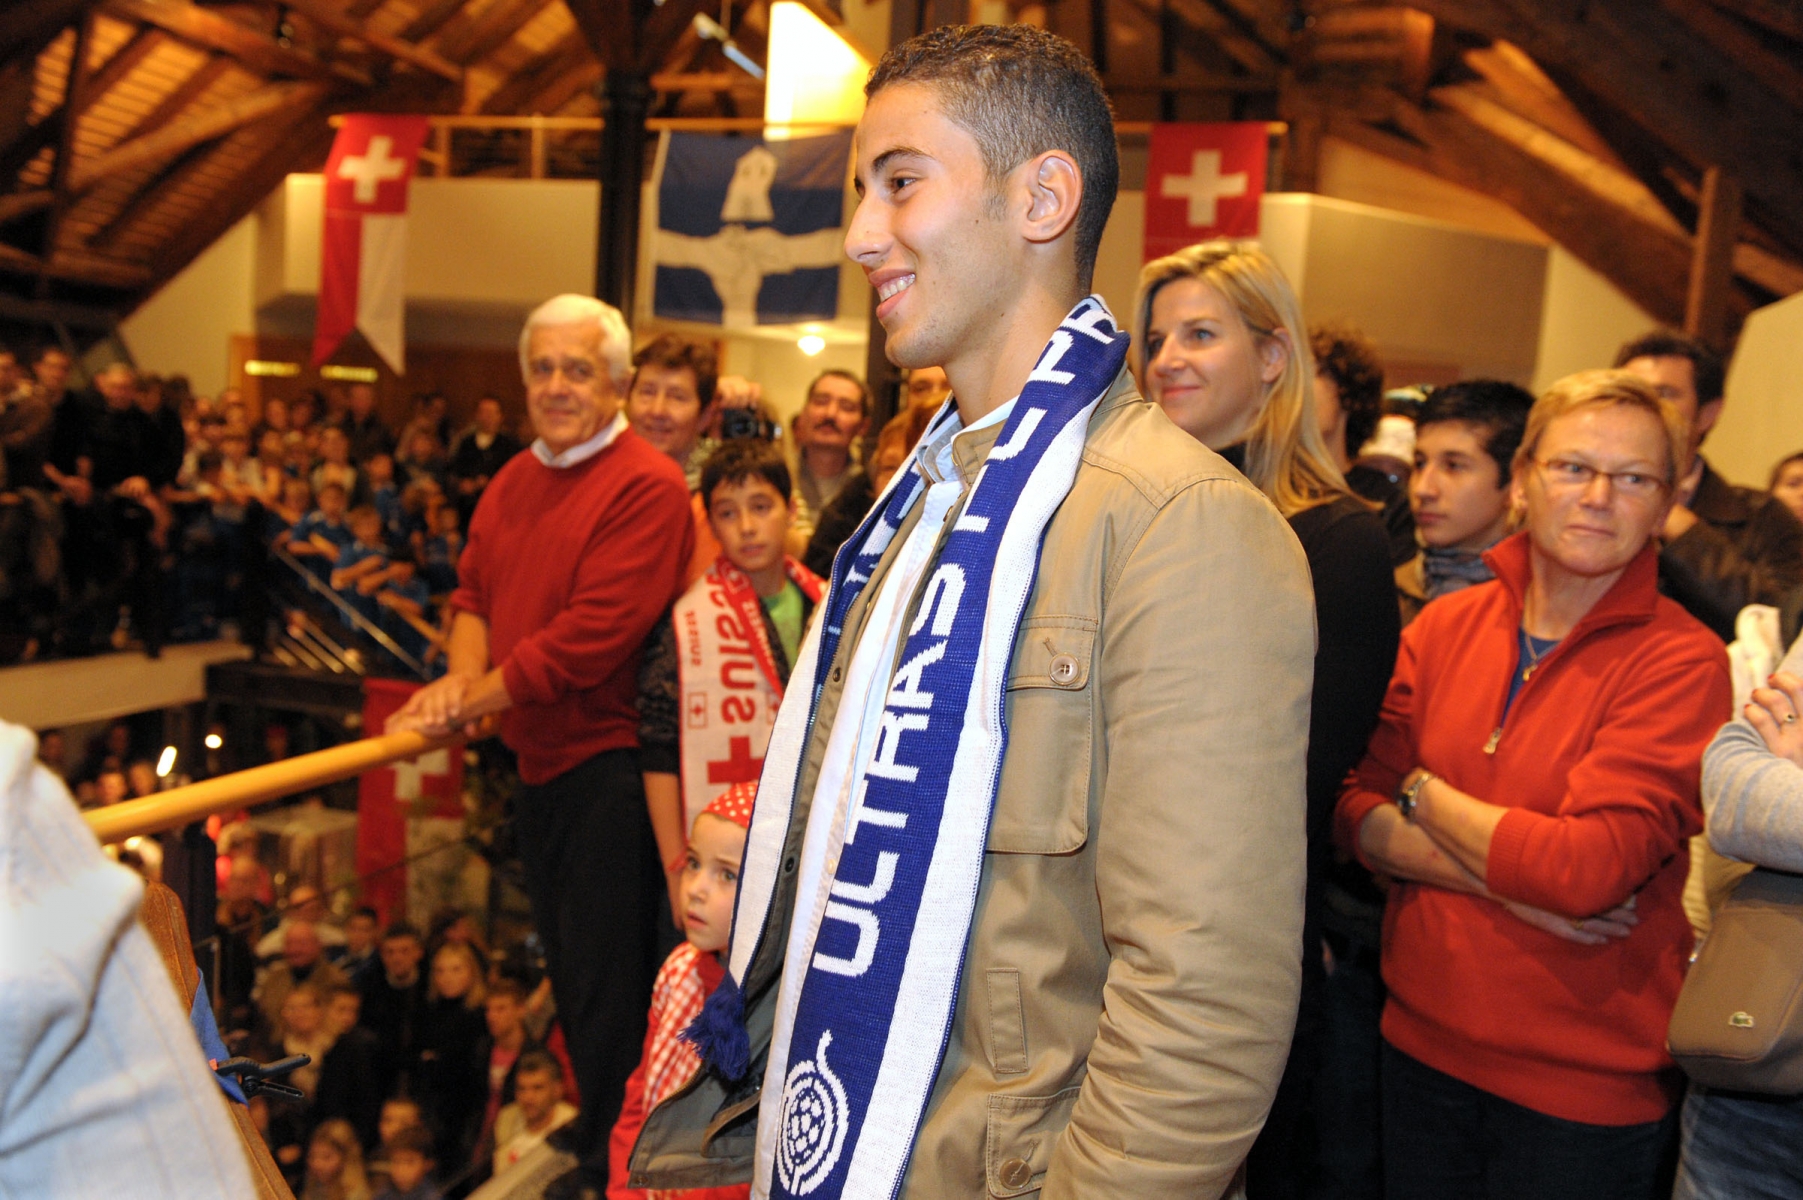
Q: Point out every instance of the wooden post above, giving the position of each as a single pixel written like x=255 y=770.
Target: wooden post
x=1712 y=259
x=625 y=101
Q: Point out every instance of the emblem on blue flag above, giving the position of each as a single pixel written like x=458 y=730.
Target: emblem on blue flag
x=749 y=232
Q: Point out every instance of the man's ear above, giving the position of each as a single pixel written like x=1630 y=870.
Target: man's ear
x=1707 y=415
x=1054 y=188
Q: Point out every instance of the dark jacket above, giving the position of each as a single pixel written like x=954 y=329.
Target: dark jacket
x=1746 y=548
x=838 y=521
x=348 y=1087
x=393 y=1015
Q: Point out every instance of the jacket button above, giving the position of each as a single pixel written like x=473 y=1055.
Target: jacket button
x=1015 y=1173
x=1064 y=672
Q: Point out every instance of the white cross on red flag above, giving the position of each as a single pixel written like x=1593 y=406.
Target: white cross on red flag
x=1203 y=181
x=362 y=264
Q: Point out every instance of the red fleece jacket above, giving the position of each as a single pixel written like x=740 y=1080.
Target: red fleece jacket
x=1598 y=761
x=570 y=568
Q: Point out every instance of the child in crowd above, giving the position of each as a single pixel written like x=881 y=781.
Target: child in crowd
x=446 y=1076
x=419 y=500
x=408 y=1155
x=318 y=537
x=710 y=883
x=334 y=1165
x=754 y=598
x=378 y=476
x=538 y=1110
x=362 y=568
x=335 y=462
x=439 y=556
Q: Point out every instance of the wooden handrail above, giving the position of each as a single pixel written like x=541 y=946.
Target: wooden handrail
x=242 y=789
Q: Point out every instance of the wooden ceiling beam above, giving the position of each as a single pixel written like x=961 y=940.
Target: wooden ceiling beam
x=568 y=53
x=611 y=29
x=214 y=31
x=472 y=42
x=301 y=145
x=124 y=60
x=170 y=180
x=1528 y=91
x=29 y=144
x=566 y=87
x=20 y=204
x=1644 y=61
x=1208 y=20
x=345 y=26
x=1777 y=72
x=27 y=26
x=180 y=97
x=1712 y=260
x=212 y=122
x=1784 y=17
x=663 y=29
x=431 y=19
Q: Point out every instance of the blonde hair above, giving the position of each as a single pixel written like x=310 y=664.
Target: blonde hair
x=352 y=1183
x=1286 y=457
x=478 y=993
x=1588 y=389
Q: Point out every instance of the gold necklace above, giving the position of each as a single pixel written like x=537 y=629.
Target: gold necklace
x=1534 y=655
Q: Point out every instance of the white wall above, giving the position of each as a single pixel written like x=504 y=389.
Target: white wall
x=1584 y=321
x=1763 y=419
x=184 y=329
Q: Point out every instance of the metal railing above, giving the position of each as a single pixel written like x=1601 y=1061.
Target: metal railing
x=347 y=615
x=244 y=789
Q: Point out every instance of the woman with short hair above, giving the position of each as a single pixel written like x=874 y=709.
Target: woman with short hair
x=1531 y=789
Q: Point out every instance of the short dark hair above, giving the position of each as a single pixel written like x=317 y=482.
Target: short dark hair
x=513 y=989
x=1705 y=363
x=1345 y=355
x=674 y=353
x=400 y=929
x=1498 y=410
x=364 y=910
x=1020 y=91
x=739 y=459
x=416 y=1138
x=851 y=377
x=539 y=1060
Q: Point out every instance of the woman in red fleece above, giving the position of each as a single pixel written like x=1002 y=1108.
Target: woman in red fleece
x=1530 y=790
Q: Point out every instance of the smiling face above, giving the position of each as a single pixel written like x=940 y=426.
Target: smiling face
x=568 y=392
x=1204 y=366
x=929 y=231
x=1456 y=491
x=710 y=881
x=452 y=976
x=664 y=406
x=1597 y=528
x=750 y=517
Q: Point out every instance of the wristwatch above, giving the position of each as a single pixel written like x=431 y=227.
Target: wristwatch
x=1409 y=793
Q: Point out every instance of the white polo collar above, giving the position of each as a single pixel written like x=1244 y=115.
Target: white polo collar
x=582 y=451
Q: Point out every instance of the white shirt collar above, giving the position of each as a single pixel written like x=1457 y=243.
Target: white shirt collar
x=582 y=451
x=936 y=455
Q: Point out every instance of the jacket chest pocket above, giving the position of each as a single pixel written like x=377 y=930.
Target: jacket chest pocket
x=1042 y=804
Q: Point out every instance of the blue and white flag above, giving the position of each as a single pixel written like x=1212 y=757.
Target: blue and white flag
x=749 y=232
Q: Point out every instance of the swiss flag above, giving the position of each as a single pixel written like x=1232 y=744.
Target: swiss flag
x=1202 y=182
x=363 y=260
x=430 y=785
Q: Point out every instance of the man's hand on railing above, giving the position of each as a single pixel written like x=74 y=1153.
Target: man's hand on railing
x=436 y=709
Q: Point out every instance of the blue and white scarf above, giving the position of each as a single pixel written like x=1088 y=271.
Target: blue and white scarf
x=865 y=1037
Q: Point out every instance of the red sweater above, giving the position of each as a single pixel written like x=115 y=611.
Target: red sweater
x=1598 y=760
x=570 y=568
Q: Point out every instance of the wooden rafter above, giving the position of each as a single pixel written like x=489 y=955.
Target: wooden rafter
x=214 y=31
x=431 y=18
x=569 y=53
x=196 y=127
x=1523 y=88
x=1783 y=17
x=478 y=38
x=62 y=168
x=123 y=61
x=1781 y=74
x=180 y=97
x=29 y=144
x=565 y=87
x=323 y=15
x=1680 y=87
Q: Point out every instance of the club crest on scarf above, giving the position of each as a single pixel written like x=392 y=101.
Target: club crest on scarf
x=882 y=975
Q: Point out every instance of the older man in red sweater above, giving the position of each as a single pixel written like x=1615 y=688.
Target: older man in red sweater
x=574 y=550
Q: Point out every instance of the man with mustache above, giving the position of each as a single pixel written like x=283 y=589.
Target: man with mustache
x=835 y=416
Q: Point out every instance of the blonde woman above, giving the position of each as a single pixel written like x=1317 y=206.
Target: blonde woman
x=334 y=1164
x=449 y=1081
x=1220 y=345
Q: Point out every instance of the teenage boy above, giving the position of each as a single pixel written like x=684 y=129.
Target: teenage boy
x=409 y=1157
x=1465 y=439
x=1027 y=859
x=715 y=670
x=538 y=1110
x=362 y=567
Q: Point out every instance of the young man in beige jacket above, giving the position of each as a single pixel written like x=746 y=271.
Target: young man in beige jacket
x=1069 y=968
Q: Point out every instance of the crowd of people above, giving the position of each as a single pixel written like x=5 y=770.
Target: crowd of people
x=1200 y=769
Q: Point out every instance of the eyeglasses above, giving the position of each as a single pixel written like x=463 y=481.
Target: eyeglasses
x=1569 y=475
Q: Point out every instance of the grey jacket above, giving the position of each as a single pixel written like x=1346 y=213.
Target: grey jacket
x=1131 y=980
